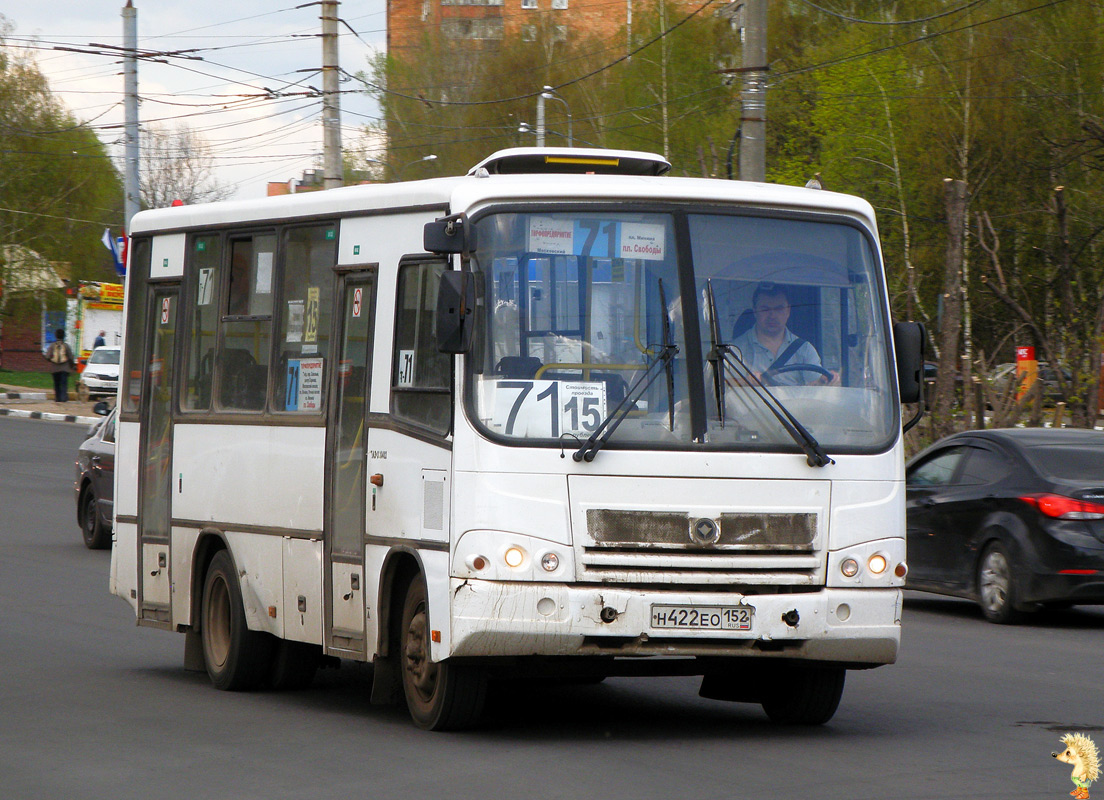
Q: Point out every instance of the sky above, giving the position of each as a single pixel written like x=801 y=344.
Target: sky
x=247 y=48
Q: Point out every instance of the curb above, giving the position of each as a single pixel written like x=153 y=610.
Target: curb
x=18 y=412
x=29 y=397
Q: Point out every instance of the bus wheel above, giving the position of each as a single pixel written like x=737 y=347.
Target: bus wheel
x=440 y=695
x=96 y=537
x=805 y=696
x=237 y=658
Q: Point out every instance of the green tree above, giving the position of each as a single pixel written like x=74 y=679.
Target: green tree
x=58 y=186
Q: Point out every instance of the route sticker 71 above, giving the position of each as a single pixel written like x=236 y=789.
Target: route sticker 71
x=548 y=409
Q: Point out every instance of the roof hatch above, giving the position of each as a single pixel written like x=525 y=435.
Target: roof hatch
x=572 y=160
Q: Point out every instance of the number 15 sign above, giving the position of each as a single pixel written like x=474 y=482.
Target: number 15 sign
x=548 y=408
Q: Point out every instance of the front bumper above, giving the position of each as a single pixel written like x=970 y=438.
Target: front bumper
x=100 y=385
x=860 y=627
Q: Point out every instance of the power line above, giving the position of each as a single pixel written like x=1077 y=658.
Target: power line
x=832 y=13
x=923 y=38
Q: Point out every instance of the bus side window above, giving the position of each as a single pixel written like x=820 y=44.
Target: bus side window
x=246 y=343
x=303 y=327
x=421 y=377
x=202 y=333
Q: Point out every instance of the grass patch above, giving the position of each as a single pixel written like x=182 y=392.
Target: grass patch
x=30 y=380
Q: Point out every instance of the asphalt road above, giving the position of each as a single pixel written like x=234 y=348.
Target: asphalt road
x=92 y=706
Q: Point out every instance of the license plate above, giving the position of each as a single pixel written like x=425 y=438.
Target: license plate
x=709 y=618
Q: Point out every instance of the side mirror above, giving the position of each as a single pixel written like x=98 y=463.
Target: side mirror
x=448 y=235
x=101 y=408
x=455 y=311
x=908 y=345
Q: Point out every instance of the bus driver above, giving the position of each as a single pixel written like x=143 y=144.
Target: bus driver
x=769 y=345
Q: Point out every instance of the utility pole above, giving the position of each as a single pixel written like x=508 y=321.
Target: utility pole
x=332 y=168
x=131 y=190
x=753 y=121
x=540 y=120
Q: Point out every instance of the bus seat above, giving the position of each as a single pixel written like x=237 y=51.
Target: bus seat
x=518 y=366
x=743 y=323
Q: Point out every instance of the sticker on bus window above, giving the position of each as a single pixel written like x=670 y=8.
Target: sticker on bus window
x=310 y=328
x=405 y=371
x=205 y=287
x=597 y=238
x=552 y=236
x=304 y=384
x=295 y=320
x=643 y=240
x=541 y=408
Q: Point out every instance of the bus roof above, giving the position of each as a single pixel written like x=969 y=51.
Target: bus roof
x=465 y=193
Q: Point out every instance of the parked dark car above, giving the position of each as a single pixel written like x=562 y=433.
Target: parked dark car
x=1012 y=518
x=95 y=481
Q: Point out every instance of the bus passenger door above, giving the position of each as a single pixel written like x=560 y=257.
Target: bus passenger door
x=346 y=448
x=155 y=458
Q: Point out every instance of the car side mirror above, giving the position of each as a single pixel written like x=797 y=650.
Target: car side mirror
x=449 y=235
x=455 y=312
x=101 y=408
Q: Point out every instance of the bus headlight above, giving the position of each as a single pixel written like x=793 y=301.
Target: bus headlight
x=504 y=556
x=879 y=564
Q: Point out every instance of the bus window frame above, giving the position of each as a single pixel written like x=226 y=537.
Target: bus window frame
x=680 y=212
x=408 y=261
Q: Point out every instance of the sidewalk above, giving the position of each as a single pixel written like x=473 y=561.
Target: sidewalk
x=19 y=401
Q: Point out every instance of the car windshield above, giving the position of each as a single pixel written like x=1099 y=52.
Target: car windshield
x=103 y=355
x=1071 y=462
x=574 y=306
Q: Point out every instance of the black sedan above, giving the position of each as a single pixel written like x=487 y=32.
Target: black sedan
x=95 y=481
x=1011 y=518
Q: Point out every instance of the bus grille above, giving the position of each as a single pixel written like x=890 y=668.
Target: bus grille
x=675 y=546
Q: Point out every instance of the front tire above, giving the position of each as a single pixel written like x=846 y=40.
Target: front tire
x=95 y=534
x=997 y=586
x=237 y=659
x=805 y=696
x=440 y=695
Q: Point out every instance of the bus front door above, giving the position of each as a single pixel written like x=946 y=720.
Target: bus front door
x=155 y=457
x=347 y=436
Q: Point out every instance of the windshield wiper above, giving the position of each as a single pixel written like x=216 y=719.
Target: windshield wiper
x=725 y=355
x=665 y=356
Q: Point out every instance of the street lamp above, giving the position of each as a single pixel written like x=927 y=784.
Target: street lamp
x=551 y=94
x=399 y=171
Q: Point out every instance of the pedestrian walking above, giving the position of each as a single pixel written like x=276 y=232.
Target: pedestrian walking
x=60 y=356
x=99 y=340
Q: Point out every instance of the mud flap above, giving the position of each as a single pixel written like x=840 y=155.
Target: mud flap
x=386 y=682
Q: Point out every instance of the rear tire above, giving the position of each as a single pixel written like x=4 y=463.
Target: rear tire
x=237 y=659
x=95 y=534
x=440 y=695
x=805 y=696
x=997 y=586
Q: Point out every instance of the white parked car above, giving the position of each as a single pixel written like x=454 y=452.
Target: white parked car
x=101 y=374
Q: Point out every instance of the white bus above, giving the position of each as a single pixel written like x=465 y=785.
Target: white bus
x=516 y=424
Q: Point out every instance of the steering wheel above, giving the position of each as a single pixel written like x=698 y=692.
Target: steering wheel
x=768 y=376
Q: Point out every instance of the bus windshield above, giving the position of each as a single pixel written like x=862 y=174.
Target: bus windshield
x=578 y=307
